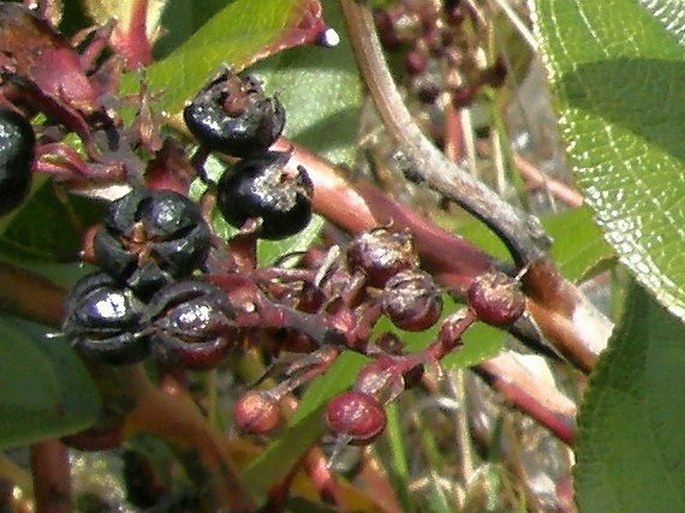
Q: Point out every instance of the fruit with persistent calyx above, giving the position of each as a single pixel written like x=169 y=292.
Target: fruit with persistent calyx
x=380 y=254
x=103 y=321
x=411 y=300
x=151 y=238
x=17 y=145
x=496 y=298
x=357 y=416
x=262 y=188
x=257 y=412
x=190 y=325
x=232 y=115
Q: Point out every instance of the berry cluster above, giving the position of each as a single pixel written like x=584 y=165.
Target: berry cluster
x=232 y=115
x=144 y=298
x=439 y=42
x=168 y=287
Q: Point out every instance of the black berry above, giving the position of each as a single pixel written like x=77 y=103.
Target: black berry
x=17 y=144
x=358 y=416
x=190 y=325
x=496 y=298
x=232 y=115
x=262 y=188
x=103 y=321
x=151 y=238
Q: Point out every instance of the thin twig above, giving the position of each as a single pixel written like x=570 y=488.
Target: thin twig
x=51 y=477
x=524 y=241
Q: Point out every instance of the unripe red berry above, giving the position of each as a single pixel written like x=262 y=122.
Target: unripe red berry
x=496 y=299
x=411 y=300
x=356 y=415
x=380 y=254
x=257 y=412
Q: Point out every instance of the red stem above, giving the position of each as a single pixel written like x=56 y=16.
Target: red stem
x=51 y=477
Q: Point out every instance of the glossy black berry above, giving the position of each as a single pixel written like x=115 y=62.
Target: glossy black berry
x=103 y=321
x=151 y=238
x=357 y=416
x=380 y=254
x=190 y=325
x=411 y=300
x=17 y=145
x=263 y=189
x=232 y=115
x=496 y=298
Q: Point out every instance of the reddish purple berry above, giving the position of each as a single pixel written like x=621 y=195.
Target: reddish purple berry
x=356 y=415
x=496 y=298
x=380 y=254
x=411 y=300
x=190 y=325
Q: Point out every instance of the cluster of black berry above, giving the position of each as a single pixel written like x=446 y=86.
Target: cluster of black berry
x=233 y=116
x=144 y=298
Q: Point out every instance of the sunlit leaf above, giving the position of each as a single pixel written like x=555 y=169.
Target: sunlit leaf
x=617 y=71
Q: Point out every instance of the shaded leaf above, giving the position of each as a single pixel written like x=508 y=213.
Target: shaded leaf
x=49 y=228
x=630 y=444
x=618 y=75
x=45 y=391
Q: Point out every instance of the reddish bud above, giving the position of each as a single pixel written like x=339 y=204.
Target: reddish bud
x=257 y=412
x=496 y=298
x=356 y=415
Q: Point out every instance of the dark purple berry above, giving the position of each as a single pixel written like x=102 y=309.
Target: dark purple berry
x=17 y=145
x=232 y=115
x=262 y=188
x=411 y=300
x=189 y=324
x=380 y=254
x=496 y=298
x=257 y=412
x=357 y=416
x=103 y=321
x=151 y=238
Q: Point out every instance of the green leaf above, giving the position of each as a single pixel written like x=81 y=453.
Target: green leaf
x=321 y=90
x=49 y=227
x=579 y=248
x=618 y=72
x=235 y=35
x=631 y=447
x=305 y=428
x=45 y=391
